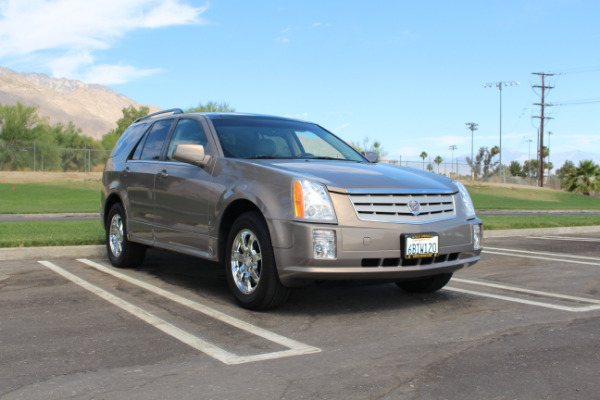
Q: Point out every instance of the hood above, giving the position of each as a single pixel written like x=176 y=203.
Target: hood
x=346 y=175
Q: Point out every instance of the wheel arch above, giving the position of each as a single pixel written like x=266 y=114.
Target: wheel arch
x=232 y=212
x=110 y=201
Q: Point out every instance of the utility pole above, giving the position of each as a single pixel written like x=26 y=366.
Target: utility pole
x=543 y=88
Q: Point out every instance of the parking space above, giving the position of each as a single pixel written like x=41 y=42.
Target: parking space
x=520 y=324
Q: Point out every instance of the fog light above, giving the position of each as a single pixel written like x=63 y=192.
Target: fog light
x=477 y=237
x=324 y=244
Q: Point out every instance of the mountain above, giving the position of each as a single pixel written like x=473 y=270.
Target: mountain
x=93 y=108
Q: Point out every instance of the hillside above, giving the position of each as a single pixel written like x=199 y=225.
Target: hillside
x=93 y=108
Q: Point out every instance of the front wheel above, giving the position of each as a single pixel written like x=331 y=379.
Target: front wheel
x=426 y=285
x=121 y=252
x=250 y=264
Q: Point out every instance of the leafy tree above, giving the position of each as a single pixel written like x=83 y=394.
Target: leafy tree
x=438 y=160
x=484 y=165
x=18 y=122
x=584 y=179
x=211 y=106
x=530 y=168
x=130 y=114
x=429 y=167
x=567 y=168
x=515 y=169
x=367 y=146
x=423 y=155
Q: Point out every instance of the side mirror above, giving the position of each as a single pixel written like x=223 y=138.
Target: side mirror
x=191 y=154
x=371 y=156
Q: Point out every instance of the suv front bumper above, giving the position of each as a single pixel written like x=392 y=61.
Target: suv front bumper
x=370 y=253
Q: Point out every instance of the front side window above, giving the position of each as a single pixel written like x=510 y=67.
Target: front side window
x=156 y=138
x=187 y=131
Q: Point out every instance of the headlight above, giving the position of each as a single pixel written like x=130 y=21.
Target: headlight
x=466 y=199
x=312 y=202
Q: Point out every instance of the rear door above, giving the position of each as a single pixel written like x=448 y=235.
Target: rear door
x=139 y=176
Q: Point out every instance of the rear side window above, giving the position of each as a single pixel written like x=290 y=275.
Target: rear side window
x=156 y=138
x=188 y=131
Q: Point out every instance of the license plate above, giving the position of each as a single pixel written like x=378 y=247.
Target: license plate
x=420 y=245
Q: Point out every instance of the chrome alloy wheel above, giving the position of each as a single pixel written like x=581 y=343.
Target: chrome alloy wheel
x=116 y=235
x=246 y=261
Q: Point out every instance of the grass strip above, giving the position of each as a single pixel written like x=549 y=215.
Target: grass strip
x=50 y=233
x=494 y=222
x=517 y=198
x=63 y=197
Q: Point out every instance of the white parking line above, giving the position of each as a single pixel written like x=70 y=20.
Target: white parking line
x=528 y=291
x=524 y=301
x=542 y=253
x=295 y=348
x=595 y=304
x=541 y=256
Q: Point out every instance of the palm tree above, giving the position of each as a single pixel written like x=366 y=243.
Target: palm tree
x=438 y=160
x=585 y=178
x=423 y=155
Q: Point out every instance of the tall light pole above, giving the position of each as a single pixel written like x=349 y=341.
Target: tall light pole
x=499 y=86
x=528 y=141
x=452 y=147
x=472 y=126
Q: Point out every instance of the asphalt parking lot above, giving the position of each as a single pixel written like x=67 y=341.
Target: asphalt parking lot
x=524 y=323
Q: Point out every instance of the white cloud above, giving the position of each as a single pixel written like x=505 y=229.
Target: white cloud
x=66 y=33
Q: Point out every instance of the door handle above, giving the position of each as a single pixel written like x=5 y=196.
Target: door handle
x=126 y=171
x=164 y=173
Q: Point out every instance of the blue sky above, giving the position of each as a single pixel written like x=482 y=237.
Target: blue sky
x=408 y=74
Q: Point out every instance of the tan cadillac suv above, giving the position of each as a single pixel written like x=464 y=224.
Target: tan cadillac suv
x=280 y=203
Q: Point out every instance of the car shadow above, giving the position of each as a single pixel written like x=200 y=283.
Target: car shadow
x=208 y=280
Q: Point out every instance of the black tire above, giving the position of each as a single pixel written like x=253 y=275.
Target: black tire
x=250 y=264
x=121 y=252
x=426 y=285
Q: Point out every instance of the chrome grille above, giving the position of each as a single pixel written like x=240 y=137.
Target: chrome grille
x=395 y=207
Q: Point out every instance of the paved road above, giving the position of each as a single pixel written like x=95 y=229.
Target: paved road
x=521 y=324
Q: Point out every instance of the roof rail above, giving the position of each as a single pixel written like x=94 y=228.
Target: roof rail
x=171 y=110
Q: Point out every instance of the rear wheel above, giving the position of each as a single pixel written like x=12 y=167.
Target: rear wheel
x=250 y=264
x=121 y=252
x=426 y=285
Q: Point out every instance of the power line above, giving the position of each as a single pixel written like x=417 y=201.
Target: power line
x=578 y=102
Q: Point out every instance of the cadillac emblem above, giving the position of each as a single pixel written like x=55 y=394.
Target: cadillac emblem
x=414 y=207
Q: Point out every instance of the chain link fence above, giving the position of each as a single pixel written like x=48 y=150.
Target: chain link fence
x=50 y=158
x=42 y=158
x=460 y=169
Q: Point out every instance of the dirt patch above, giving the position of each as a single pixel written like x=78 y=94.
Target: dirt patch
x=29 y=176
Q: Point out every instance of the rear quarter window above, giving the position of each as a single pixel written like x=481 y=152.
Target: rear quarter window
x=128 y=140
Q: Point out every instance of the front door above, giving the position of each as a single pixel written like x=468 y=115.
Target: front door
x=181 y=195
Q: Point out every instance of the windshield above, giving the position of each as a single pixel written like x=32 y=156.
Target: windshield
x=267 y=138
